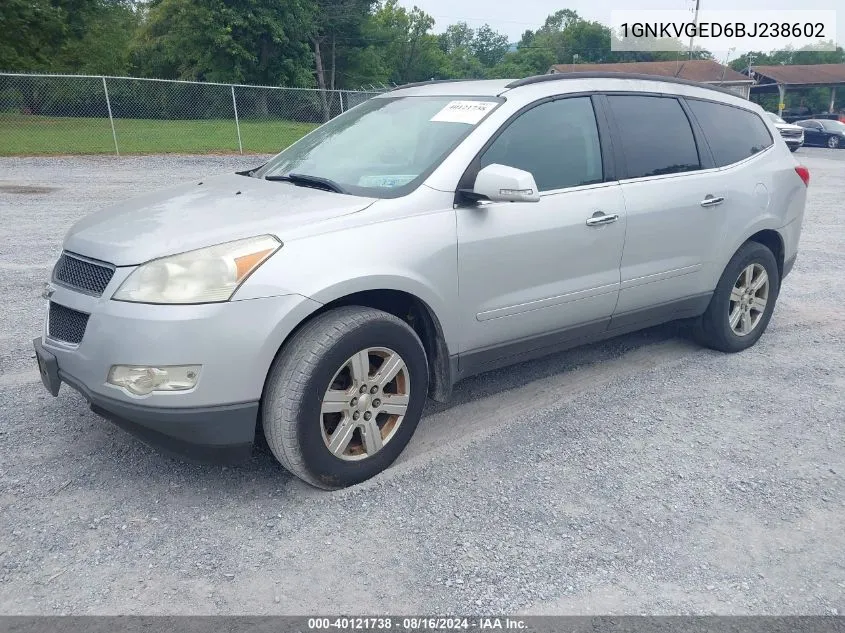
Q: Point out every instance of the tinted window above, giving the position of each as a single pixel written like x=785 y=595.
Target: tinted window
x=656 y=135
x=557 y=141
x=733 y=133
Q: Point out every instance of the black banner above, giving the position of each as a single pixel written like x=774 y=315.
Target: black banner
x=408 y=624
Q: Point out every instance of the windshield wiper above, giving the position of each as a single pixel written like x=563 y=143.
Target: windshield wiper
x=304 y=180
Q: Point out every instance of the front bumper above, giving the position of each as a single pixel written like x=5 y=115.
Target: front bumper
x=235 y=343
x=222 y=434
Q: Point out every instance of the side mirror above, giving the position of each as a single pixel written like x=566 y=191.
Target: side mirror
x=500 y=183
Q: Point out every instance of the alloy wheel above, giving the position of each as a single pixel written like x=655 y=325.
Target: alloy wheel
x=749 y=298
x=365 y=403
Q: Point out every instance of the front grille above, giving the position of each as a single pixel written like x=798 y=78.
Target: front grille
x=82 y=274
x=65 y=324
x=790 y=134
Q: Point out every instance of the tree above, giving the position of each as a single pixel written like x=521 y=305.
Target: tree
x=102 y=38
x=457 y=37
x=488 y=46
x=246 y=41
x=566 y=38
x=336 y=27
x=32 y=34
x=408 y=50
x=88 y=36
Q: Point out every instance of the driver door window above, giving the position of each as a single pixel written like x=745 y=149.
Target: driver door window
x=557 y=141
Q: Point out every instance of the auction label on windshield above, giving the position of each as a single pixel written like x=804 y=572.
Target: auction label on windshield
x=464 y=111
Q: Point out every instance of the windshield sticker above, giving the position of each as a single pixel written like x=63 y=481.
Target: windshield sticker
x=464 y=111
x=389 y=180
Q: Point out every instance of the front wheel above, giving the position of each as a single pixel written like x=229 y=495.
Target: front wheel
x=743 y=301
x=344 y=396
x=833 y=142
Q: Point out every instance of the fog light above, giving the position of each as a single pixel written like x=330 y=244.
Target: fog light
x=143 y=380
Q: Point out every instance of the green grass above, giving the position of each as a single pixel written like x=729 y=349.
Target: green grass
x=22 y=135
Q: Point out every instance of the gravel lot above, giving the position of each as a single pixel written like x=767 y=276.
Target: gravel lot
x=641 y=475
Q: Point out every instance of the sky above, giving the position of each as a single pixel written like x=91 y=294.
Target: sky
x=512 y=17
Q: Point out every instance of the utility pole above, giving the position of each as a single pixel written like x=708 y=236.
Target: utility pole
x=725 y=65
x=695 y=24
x=750 y=72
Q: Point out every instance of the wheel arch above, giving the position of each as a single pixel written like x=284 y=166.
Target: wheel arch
x=773 y=240
x=413 y=310
x=762 y=233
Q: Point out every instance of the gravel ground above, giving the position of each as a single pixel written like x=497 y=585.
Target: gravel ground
x=642 y=475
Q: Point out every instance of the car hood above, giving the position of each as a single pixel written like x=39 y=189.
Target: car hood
x=789 y=127
x=202 y=213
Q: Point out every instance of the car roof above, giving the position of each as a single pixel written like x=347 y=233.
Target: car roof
x=449 y=88
x=562 y=83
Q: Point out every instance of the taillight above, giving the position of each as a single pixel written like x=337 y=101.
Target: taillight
x=804 y=173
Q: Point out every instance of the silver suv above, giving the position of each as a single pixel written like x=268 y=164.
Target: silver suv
x=435 y=232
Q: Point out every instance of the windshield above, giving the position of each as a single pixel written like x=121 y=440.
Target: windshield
x=833 y=126
x=384 y=147
x=774 y=117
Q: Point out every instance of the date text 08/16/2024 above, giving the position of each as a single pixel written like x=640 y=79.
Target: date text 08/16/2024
x=415 y=624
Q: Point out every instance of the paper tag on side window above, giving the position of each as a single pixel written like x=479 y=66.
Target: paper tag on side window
x=464 y=111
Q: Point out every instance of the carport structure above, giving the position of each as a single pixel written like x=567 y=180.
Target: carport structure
x=782 y=78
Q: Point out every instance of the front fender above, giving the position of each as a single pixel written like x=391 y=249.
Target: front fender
x=416 y=255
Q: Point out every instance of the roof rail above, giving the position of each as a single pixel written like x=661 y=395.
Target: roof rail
x=427 y=83
x=536 y=79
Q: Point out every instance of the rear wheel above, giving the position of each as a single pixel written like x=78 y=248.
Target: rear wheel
x=345 y=396
x=743 y=301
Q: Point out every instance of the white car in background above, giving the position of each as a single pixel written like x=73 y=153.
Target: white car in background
x=792 y=134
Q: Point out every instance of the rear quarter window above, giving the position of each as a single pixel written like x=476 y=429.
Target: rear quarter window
x=733 y=133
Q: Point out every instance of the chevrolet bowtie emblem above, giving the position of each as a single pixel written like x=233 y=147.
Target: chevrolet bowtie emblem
x=48 y=290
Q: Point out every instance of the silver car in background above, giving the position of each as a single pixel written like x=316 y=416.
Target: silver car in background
x=432 y=233
x=793 y=135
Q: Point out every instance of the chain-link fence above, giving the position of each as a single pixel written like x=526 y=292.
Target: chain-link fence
x=79 y=114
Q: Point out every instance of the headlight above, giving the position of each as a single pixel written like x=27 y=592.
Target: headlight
x=202 y=276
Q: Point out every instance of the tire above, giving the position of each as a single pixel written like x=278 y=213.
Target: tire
x=714 y=329
x=833 y=142
x=794 y=149
x=327 y=352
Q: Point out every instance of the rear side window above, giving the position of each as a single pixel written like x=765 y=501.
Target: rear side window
x=557 y=141
x=733 y=133
x=656 y=135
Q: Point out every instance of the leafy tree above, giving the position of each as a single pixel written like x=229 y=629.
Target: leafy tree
x=335 y=33
x=488 y=46
x=408 y=50
x=566 y=38
x=82 y=36
x=32 y=34
x=456 y=37
x=244 y=41
x=102 y=38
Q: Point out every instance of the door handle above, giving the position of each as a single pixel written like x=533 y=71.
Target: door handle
x=600 y=218
x=712 y=201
